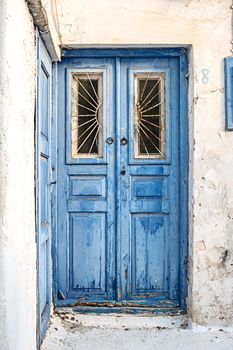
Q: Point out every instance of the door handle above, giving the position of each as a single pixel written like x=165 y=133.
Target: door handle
x=124 y=141
x=110 y=140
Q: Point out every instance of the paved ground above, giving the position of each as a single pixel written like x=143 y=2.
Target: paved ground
x=69 y=331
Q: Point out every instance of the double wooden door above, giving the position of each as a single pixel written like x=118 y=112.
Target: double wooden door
x=118 y=187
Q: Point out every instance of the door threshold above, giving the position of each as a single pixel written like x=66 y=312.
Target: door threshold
x=128 y=318
x=128 y=310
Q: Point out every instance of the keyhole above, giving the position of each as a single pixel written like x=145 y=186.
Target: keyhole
x=123 y=172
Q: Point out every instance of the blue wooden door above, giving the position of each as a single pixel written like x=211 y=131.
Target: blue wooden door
x=43 y=202
x=149 y=181
x=119 y=181
x=86 y=182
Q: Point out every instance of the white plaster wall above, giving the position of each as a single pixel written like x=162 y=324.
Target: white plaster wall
x=206 y=25
x=17 y=211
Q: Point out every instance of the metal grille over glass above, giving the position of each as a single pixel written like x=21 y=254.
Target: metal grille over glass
x=150 y=116
x=87 y=115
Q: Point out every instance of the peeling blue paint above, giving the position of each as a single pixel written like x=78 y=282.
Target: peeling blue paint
x=122 y=237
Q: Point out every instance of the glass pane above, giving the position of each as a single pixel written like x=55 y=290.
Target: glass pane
x=87 y=115
x=150 y=116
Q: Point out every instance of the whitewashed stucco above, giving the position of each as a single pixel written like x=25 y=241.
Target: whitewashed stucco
x=202 y=25
x=206 y=26
x=17 y=210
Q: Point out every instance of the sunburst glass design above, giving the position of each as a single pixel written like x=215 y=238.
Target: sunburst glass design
x=150 y=115
x=87 y=115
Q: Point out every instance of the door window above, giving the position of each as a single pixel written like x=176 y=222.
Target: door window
x=150 y=115
x=87 y=115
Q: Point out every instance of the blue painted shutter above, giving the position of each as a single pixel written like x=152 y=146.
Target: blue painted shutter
x=228 y=65
x=43 y=203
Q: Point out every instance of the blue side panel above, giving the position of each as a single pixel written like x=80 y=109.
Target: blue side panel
x=183 y=178
x=43 y=203
x=228 y=64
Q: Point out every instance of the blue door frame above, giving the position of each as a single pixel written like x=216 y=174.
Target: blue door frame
x=74 y=59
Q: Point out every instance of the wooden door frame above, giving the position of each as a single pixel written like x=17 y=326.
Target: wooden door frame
x=182 y=55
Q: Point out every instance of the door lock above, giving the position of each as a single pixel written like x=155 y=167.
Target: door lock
x=123 y=171
x=124 y=141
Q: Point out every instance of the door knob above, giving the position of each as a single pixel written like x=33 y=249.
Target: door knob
x=110 y=140
x=124 y=141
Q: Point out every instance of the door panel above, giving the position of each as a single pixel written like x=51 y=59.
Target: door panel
x=149 y=210
x=119 y=181
x=88 y=270
x=44 y=82
x=148 y=252
x=86 y=182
